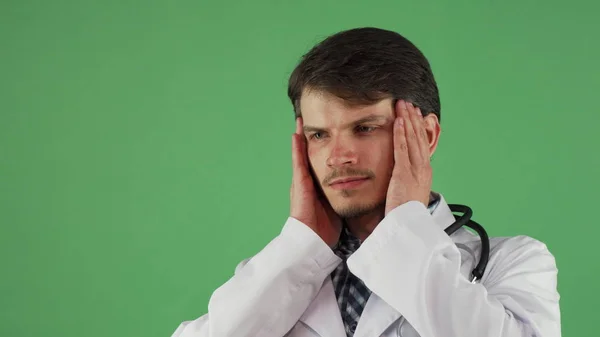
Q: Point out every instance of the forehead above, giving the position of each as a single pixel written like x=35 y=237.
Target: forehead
x=321 y=108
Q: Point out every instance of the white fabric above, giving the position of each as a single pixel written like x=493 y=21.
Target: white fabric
x=419 y=277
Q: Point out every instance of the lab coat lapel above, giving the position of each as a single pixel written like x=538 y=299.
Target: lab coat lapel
x=378 y=316
x=323 y=314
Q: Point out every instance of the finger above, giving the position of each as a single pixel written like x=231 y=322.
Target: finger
x=420 y=135
x=401 y=159
x=299 y=125
x=299 y=156
x=295 y=191
x=296 y=144
x=423 y=138
x=294 y=156
x=414 y=151
x=301 y=146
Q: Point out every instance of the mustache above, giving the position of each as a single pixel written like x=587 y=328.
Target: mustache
x=347 y=172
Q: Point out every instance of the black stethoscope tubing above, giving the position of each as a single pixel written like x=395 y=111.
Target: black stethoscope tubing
x=465 y=220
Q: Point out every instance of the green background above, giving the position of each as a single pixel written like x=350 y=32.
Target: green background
x=145 y=145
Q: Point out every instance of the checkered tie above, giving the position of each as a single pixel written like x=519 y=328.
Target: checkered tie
x=350 y=291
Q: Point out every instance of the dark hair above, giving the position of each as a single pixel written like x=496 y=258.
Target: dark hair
x=365 y=65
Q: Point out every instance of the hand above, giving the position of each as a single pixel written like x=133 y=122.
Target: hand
x=309 y=205
x=412 y=174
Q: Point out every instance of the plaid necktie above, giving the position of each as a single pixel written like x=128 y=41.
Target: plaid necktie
x=351 y=293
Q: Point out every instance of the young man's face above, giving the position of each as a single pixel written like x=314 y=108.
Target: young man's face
x=349 y=142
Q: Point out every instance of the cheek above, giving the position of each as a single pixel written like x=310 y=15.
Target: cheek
x=311 y=151
x=382 y=160
x=312 y=155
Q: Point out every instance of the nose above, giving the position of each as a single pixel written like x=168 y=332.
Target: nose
x=342 y=153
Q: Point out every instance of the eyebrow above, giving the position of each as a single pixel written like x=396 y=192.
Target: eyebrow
x=368 y=119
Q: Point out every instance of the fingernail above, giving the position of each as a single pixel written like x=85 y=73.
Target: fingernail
x=419 y=111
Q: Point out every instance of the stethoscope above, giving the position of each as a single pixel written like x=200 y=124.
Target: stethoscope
x=465 y=220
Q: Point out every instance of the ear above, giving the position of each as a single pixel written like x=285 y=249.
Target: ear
x=433 y=129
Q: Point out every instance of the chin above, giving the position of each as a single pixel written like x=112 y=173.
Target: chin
x=349 y=210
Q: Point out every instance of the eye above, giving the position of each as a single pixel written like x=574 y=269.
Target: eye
x=364 y=128
x=316 y=136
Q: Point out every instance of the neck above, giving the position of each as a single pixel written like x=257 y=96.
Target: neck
x=362 y=226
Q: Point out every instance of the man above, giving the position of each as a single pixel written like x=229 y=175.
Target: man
x=364 y=252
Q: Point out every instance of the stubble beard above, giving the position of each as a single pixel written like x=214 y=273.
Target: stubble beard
x=358 y=209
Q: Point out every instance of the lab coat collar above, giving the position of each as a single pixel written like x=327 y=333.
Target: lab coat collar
x=442 y=215
x=323 y=314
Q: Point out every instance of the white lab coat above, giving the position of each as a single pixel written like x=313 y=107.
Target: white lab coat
x=419 y=276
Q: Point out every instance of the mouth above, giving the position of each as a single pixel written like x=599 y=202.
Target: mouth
x=347 y=183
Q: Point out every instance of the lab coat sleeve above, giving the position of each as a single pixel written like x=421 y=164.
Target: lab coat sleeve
x=270 y=292
x=414 y=266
